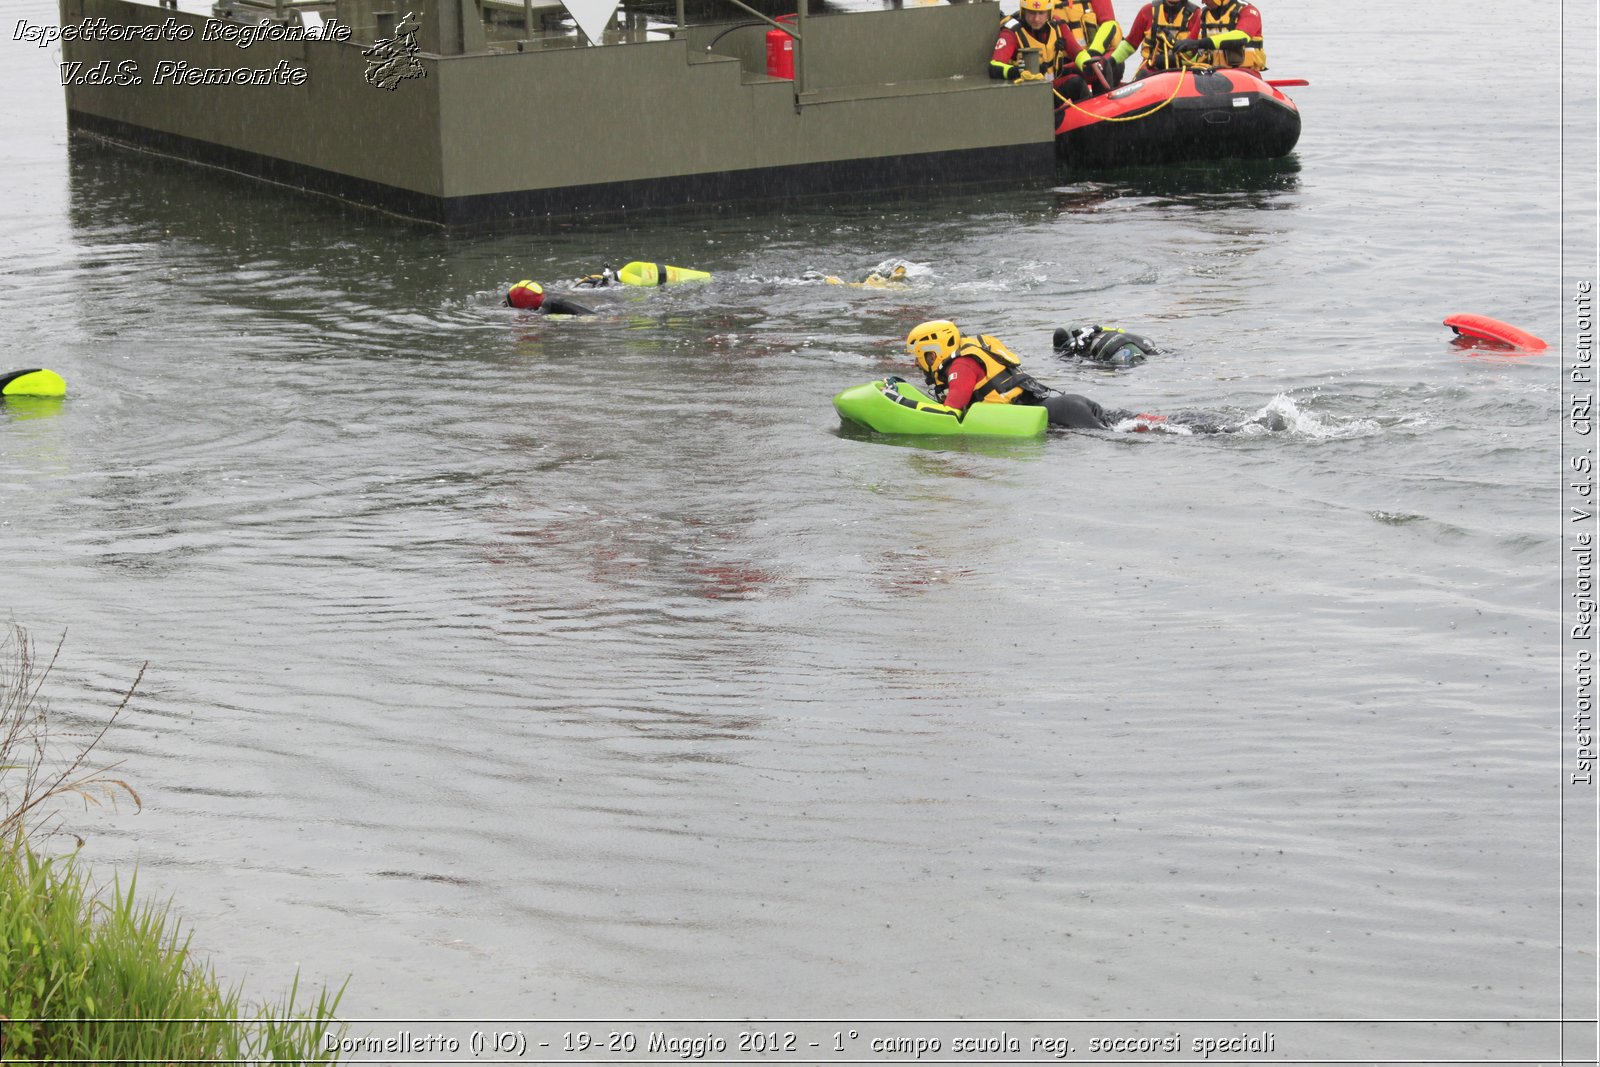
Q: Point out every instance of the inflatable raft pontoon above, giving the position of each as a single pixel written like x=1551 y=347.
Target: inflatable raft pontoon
x=1178 y=117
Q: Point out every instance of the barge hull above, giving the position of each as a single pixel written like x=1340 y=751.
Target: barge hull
x=892 y=102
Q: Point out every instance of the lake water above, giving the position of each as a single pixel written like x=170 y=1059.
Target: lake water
x=535 y=669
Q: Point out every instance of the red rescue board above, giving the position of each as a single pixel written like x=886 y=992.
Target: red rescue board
x=1483 y=328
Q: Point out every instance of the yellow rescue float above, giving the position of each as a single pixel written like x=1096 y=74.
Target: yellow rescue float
x=35 y=382
x=639 y=273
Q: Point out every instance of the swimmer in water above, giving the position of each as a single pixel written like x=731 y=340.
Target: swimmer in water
x=895 y=279
x=530 y=296
x=1111 y=346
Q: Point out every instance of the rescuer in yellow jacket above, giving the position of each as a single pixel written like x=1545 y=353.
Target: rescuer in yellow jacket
x=1085 y=17
x=1231 y=32
x=1030 y=27
x=979 y=369
x=1092 y=26
x=1075 y=70
x=1155 y=32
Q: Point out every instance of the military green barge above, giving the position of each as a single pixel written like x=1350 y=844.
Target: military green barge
x=474 y=112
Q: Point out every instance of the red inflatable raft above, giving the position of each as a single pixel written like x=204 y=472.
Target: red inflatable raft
x=1178 y=117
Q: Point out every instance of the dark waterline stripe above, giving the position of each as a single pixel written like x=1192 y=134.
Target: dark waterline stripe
x=1017 y=166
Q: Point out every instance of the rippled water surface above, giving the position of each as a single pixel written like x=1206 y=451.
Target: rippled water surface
x=523 y=667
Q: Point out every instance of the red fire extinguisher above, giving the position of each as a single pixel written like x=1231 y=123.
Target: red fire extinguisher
x=780 y=51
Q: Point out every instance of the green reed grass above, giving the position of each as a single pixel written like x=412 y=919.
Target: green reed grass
x=99 y=975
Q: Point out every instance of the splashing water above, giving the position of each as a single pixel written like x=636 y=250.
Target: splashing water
x=1282 y=415
x=1279 y=415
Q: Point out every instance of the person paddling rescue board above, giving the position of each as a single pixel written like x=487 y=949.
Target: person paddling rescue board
x=968 y=369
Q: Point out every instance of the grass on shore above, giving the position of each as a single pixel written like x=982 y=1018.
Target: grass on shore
x=91 y=974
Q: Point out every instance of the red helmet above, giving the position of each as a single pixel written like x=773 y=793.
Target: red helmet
x=527 y=295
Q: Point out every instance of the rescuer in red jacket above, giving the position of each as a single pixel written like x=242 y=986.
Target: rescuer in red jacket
x=976 y=369
x=1231 y=31
x=1030 y=27
x=1033 y=27
x=1092 y=24
x=1155 y=32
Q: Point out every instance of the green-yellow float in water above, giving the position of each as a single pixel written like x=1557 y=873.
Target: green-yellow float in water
x=642 y=274
x=659 y=274
x=35 y=382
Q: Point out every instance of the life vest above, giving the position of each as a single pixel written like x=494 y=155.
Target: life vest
x=1220 y=20
x=1049 y=46
x=1164 y=30
x=1002 y=381
x=1079 y=16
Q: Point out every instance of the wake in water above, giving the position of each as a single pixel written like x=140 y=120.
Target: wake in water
x=892 y=273
x=1280 y=415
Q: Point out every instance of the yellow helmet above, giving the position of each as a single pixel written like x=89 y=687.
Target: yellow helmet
x=1038 y=5
x=932 y=344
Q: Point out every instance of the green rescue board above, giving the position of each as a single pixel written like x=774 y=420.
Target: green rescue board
x=906 y=410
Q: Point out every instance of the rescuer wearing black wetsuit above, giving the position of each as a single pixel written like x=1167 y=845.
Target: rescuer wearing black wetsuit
x=530 y=296
x=1110 y=345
